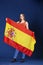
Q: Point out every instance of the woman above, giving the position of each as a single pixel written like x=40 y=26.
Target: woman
x=24 y=23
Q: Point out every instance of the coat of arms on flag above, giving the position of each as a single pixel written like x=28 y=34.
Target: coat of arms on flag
x=19 y=37
x=10 y=33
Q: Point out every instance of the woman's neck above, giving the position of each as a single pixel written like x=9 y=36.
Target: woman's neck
x=22 y=21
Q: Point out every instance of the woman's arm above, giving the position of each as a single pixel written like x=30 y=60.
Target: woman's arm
x=27 y=25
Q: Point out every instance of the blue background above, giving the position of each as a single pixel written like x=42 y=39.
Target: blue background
x=33 y=10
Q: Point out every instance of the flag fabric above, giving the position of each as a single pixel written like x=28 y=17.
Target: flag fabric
x=19 y=37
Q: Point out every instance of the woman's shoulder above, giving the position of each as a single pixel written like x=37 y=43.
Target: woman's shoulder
x=27 y=22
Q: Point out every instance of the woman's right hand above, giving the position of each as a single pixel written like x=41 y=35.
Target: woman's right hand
x=17 y=21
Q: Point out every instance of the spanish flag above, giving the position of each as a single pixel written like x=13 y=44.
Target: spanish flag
x=19 y=37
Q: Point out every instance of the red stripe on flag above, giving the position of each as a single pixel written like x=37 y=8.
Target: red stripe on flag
x=17 y=46
x=20 y=27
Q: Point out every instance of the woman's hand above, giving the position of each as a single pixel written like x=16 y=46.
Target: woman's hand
x=17 y=21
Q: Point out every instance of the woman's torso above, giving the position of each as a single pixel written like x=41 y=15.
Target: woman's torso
x=23 y=24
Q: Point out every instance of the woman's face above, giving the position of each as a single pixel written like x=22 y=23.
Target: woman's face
x=21 y=16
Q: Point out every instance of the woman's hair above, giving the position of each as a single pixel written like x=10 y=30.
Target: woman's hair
x=23 y=16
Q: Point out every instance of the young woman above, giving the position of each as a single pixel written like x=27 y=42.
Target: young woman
x=24 y=23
